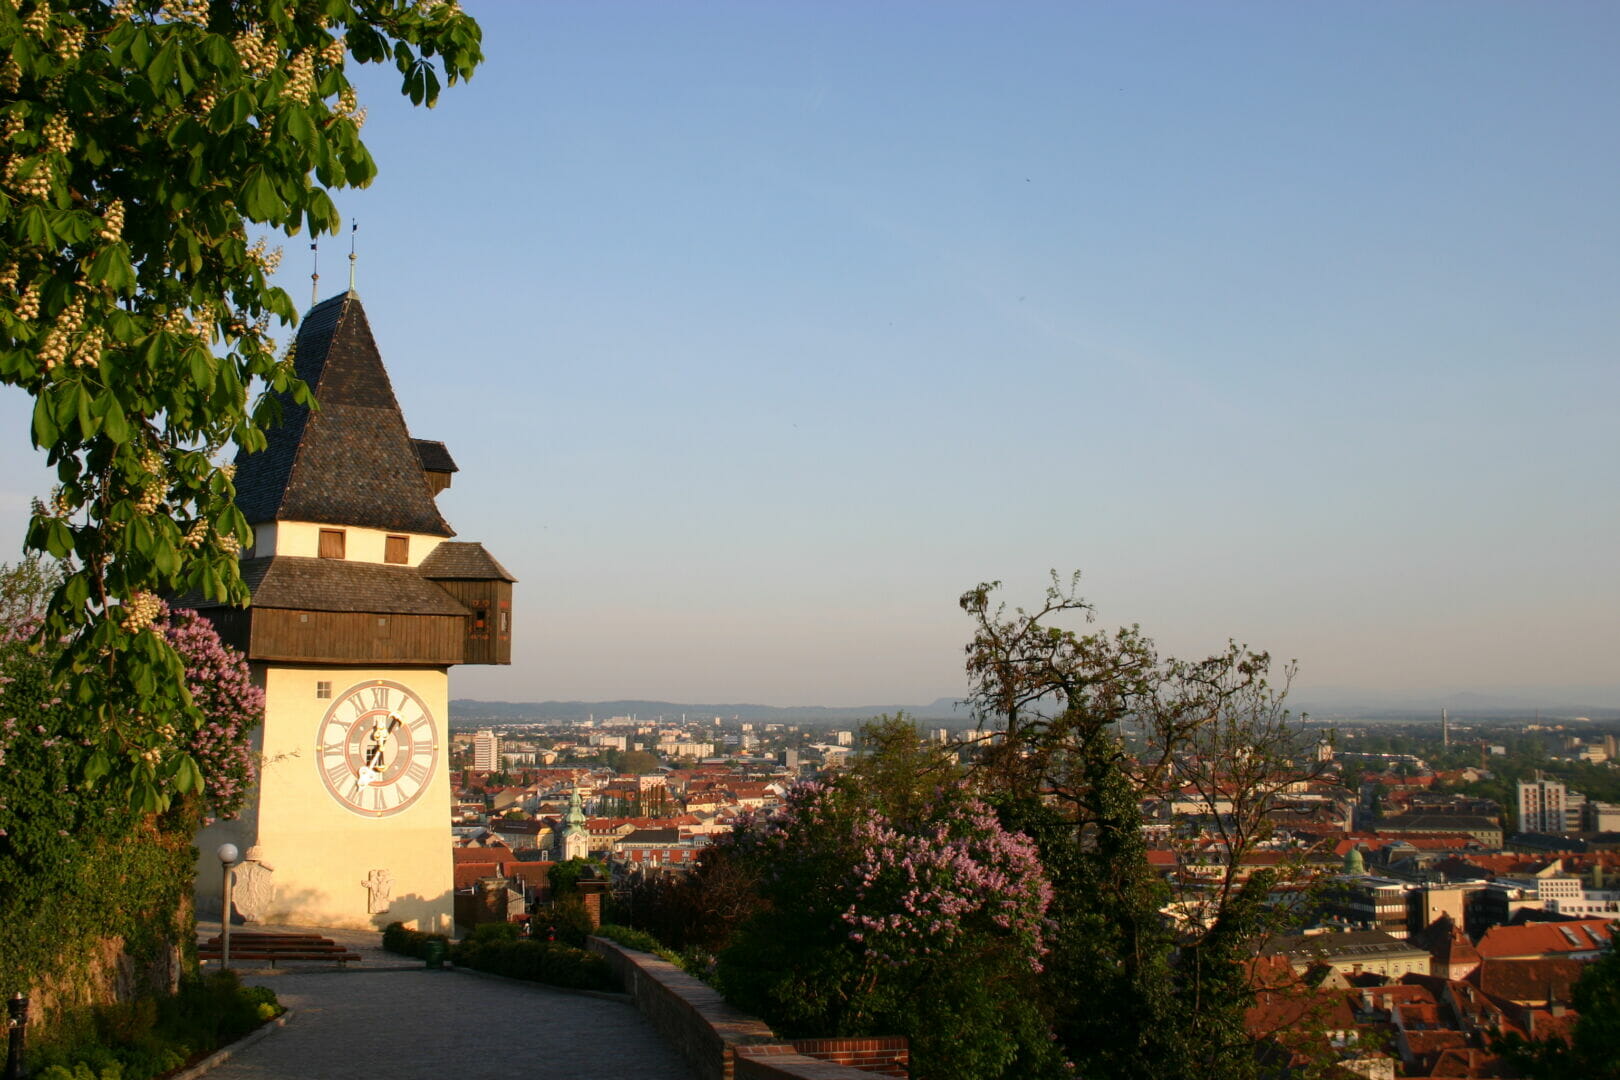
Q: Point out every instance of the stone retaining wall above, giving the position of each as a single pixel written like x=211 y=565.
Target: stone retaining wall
x=724 y=1043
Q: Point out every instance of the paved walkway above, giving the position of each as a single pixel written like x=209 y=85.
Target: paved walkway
x=404 y=1022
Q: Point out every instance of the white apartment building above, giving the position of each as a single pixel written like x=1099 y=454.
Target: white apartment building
x=1546 y=806
x=486 y=751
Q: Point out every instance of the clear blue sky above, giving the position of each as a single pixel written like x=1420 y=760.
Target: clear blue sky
x=762 y=330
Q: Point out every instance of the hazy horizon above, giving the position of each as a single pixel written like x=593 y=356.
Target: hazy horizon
x=762 y=332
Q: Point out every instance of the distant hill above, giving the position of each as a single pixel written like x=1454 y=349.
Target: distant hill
x=1323 y=703
x=1508 y=704
x=946 y=711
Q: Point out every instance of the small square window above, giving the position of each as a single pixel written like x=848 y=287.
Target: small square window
x=382 y=620
x=397 y=549
x=323 y=689
x=331 y=544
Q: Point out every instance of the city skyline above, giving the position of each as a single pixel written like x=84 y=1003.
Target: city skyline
x=762 y=333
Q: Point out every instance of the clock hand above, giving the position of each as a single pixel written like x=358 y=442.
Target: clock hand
x=379 y=739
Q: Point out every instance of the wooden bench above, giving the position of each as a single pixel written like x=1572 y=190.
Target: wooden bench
x=259 y=946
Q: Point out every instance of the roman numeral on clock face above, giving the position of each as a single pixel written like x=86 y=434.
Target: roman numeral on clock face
x=377 y=747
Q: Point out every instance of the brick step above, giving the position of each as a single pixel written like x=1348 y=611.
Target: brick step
x=257 y=945
x=273 y=955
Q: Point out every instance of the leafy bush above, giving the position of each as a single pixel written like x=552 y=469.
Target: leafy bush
x=397 y=939
x=564 y=920
x=697 y=910
x=923 y=918
x=564 y=876
x=697 y=962
x=538 y=961
x=150 y=1037
x=495 y=931
x=630 y=938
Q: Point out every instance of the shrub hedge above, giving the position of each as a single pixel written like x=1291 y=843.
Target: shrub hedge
x=150 y=1036
x=631 y=938
x=538 y=961
x=397 y=939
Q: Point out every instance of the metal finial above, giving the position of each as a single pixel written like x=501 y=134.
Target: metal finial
x=354 y=227
x=315 y=278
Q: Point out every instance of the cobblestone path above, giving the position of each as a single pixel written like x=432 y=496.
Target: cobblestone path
x=400 y=1021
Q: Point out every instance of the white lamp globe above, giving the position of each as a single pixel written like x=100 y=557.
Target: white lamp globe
x=227 y=853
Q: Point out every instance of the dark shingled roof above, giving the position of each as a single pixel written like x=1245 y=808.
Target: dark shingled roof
x=456 y=560
x=352 y=462
x=1528 y=980
x=304 y=584
x=434 y=456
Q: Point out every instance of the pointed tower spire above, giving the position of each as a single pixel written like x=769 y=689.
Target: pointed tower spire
x=352 y=462
x=354 y=227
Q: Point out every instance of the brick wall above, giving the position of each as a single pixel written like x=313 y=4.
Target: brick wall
x=721 y=1042
x=889 y=1055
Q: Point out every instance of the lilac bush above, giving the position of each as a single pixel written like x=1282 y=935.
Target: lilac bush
x=231 y=705
x=926 y=894
x=923 y=918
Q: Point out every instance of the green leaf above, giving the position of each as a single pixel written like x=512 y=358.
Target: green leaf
x=66 y=406
x=45 y=429
x=98 y=765
x=89 y=423
x=165 y=559
x=259 y=198
x=35 y=226
x=114 y=425
x=59 y=539
x=162 y=68
x=323 y=215
x=140 y=48
x=111 y=267
x=77 y=589
x=218 y=52
x=296 y=120
x=188 y=777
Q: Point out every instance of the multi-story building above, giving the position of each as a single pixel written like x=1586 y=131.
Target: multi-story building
x=486 y=751
x=1602 y=816
x=1547 y=806
x=1367 y=902
x=1363 y=952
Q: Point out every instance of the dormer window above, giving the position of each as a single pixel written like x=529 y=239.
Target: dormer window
x=332 y=544
x=397 y=549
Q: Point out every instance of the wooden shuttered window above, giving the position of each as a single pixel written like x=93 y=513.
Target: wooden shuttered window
x=331 y=544
x=397 y=549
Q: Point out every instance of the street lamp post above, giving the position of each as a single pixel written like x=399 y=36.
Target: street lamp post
x=227 y=855
x=16 y=1031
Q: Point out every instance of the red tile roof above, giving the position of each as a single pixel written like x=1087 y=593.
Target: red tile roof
x=1535 y=939
x=467 y=874
x=1528 y=981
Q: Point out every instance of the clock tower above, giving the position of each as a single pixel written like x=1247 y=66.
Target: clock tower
x=361 y=603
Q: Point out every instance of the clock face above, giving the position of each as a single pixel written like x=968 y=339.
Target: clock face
x=377 y=748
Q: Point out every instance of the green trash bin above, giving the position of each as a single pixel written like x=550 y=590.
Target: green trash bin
x=433 y=952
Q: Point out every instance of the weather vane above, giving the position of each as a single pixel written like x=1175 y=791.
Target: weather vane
x=354 y=227
x=315 y=277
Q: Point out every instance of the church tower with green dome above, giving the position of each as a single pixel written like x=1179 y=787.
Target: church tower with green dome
x=1354 y=863
x=576 y=841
